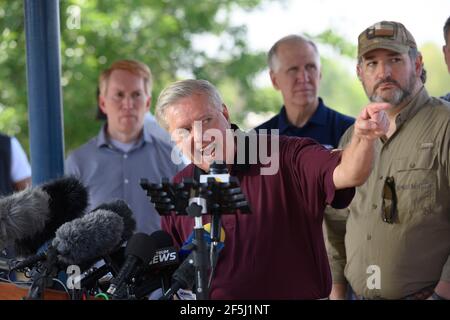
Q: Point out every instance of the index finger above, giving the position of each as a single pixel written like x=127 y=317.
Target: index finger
x=378 y=106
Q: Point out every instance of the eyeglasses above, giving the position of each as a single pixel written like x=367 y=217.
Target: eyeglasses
x=389 y=200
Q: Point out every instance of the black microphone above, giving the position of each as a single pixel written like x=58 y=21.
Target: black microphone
x=82 y=239
x=29 y=218
x=158 y=273
x=166 y=254
x=184 y=276
x=139 y=251
x=90 y=278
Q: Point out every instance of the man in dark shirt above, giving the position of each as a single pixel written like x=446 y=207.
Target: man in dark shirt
x=277 y=251
x=295 y=70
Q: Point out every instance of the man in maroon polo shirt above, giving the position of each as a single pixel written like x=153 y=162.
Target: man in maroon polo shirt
x=277 y=251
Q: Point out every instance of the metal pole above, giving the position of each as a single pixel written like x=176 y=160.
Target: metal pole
x=44 y=89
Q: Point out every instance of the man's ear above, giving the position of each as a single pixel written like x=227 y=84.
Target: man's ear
x=148 y=103
x=418 y=64
x=358 y=71
x=225 y=112
x=273 y=78
x=102 y=103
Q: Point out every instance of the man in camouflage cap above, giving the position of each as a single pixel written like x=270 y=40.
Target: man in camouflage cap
x=393 y=241
x=385 y=35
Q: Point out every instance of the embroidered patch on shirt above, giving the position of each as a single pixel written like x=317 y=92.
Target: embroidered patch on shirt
x=427 y=145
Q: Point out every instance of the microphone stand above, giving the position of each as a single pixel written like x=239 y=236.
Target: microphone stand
x=216 y=227
x=216 y=194
x=197 y=206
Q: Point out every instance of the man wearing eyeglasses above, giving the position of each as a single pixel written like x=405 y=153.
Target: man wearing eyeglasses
x=397 y=232
x=112 y=163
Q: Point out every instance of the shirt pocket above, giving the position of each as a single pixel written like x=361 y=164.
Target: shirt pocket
x=416 y=181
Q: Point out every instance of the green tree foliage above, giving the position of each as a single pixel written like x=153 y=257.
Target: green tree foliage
x=174 y=39
x=160 y=33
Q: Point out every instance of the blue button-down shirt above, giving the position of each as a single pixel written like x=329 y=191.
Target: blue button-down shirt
x=325 y=126
x=110 y=173
x=446 y=97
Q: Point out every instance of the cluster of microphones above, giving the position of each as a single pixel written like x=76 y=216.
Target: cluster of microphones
x=48 y=226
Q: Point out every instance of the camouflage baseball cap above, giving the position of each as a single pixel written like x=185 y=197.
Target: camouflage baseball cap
x=389 y=35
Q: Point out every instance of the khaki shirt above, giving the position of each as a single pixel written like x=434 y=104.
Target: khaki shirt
x=413 y=252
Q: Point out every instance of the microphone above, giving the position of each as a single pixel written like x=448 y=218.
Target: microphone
x=113 y=258
x=122 y=209
x=82 y=239
x=187 y=246
x=29 y=218
x=165 y=254
x=159 y=270
x=139 y=251
x=22 y=214
x=90 y=278
x=184 y=276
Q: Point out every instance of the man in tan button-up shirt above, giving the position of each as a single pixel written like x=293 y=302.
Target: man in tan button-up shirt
x=397 y=231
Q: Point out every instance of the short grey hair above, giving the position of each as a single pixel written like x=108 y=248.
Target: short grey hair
x=272 y=58
x=183 y=89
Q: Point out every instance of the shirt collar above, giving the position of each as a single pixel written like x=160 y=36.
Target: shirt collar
x=318 y=117
x=412 y=107
x=103 y=140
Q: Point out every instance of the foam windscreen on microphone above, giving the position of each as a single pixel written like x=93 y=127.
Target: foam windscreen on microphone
x=67 y=200
x=121 y=208
x=88 y=238
x=22 y=215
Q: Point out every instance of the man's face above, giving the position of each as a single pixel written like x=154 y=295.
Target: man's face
x=446 y=50
x=195 y=126
x=297 y=74
x=125 y=103
x=388 y=76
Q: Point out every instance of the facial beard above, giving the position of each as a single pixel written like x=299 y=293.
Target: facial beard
x=397 y=95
